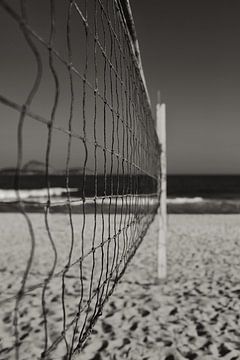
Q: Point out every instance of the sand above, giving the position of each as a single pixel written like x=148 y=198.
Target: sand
x=193 y=314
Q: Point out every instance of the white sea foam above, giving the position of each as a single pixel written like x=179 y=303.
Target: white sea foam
x=11 y=195
x=41 y=194
x=184 y=200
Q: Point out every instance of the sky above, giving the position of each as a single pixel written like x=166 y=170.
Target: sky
x=190 y=51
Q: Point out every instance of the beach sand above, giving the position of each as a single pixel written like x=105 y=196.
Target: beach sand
x=193 y=314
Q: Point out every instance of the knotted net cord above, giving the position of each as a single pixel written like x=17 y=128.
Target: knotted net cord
x=117 y=190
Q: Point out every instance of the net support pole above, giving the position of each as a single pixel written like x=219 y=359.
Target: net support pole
x=162 y=211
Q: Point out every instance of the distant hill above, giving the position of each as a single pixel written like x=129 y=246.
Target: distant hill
x=34 y=167
x=79 y=171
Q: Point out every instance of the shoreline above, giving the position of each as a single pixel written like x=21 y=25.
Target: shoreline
x=204 y=206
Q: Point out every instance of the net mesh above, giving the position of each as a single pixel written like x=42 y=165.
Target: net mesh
x=84 y=169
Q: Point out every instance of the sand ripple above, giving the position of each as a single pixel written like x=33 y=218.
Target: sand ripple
x=193 y=314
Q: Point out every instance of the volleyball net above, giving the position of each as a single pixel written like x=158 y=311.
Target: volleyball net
x=80 y=172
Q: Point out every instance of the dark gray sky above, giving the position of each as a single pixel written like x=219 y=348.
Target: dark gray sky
x=191 y=51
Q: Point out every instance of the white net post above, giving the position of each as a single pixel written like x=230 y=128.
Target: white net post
x=162 y=212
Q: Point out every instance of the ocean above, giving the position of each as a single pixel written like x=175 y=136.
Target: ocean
x=206 y=186
x=186 y=193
